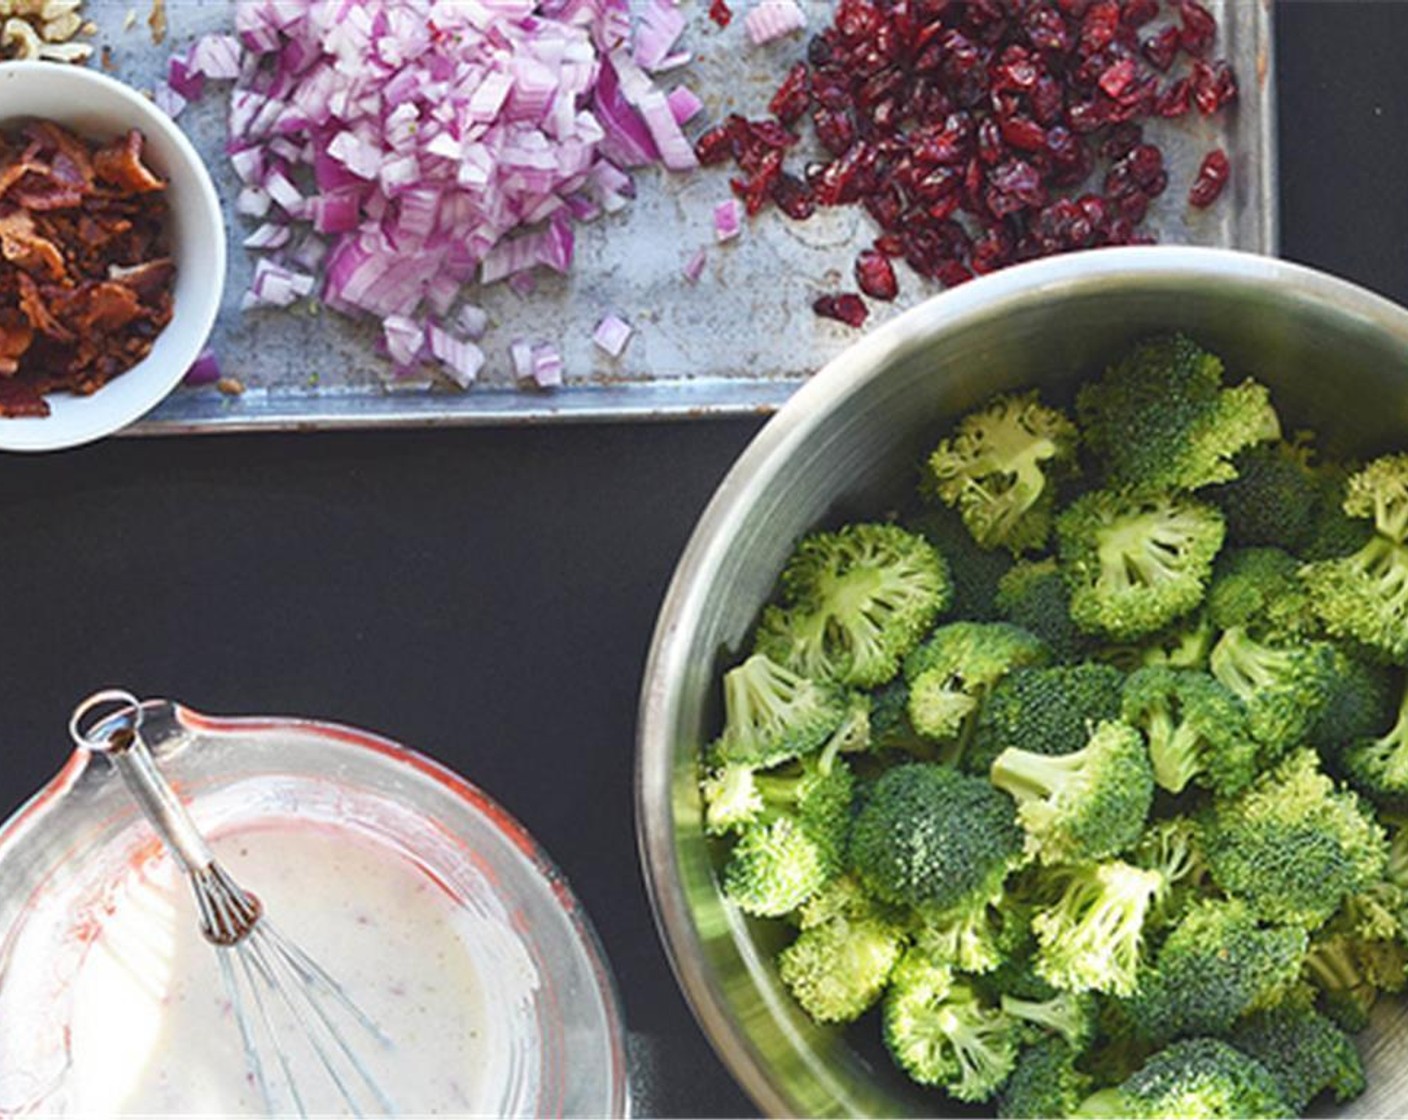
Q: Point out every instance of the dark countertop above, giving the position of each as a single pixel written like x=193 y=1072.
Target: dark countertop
x=487 y=596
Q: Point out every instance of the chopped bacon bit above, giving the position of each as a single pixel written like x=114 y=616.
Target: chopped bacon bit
x=120 y=164
x=85 y=270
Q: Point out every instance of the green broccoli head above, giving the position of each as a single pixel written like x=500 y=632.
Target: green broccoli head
x=1087 y=805
x=1161 y=418
x=968 y=937
x=929 y=836
x=1091 y=938
x=1361 y=703
x=1346 y=970
x=1216 y=965
x=1260 y=590
x=1364 y=596
x=940 y=1032
x=795 y=842
x=1196 y=728
x=1074 y=1016
x=854 y=602
x=1173 y=847
x=974 y=571
x=1044 y=710
x=840 y=962
x=1135 y=564
x=1033 y=595
x=1044 y=1083
x=1283 y=686
x=949 y=674
x=1378 y=766
x=1303 y=1050
x=1379 y=492
x=996 y=470
x=1272 y=502
x=772 y=714
x=1292 y=845
x=1196 y=1079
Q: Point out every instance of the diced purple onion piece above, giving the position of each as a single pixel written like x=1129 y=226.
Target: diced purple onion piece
x=612 y=334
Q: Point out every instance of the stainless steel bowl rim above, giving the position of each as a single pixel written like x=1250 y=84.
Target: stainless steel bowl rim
x=1154 y=267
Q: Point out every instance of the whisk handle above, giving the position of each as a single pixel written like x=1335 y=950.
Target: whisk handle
x=159 y=801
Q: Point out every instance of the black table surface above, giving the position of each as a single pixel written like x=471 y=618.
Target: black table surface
x=487 y=596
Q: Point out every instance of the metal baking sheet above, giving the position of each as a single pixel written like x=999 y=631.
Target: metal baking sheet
x=740 y=341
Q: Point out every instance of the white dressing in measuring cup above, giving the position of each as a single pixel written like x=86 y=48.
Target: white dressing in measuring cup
x=152 y=1031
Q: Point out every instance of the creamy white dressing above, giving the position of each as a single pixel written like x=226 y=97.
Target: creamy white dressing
x=151 y=1029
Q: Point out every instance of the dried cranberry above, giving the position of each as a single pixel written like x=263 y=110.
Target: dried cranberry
x=1088 y=116
x=885 y=206
x=1136 y=13
x=1024 y=134
x=714 y=146
x=856 y=20
x=793 y=95
x=1160 y=48
x=770 y=134
x=1213 y=174
x=1019 y=179
x=890 y=245
x=1046 y=30
x=720 y=12
x=952 y=273
x=1198 y=28
x=1213 y=86
x=1117 y=78
x=834 y=129
x=876 y=275
x=990 y=146
x=793 y=197
x=1175 y=99
x=1099 y=25
x=1121 y=140
x=847 y=307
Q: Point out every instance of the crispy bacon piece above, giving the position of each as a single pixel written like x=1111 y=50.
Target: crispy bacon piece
x=86 y=274
x=120 y=164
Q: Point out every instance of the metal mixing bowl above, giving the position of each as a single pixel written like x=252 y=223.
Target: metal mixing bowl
x=847 y=445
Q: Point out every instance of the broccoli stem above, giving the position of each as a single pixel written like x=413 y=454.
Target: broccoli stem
x=1105 y=1104
x=1246 y=666
x=1028 y=776
x=1173 y=751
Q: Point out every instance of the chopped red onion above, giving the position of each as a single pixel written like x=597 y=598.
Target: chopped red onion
x=547 y=366
x=474 y=321
x=205 y=370
x=728 y=220
x=612 y=334
x=430 y=143
x=521 y=355
x=461 y=358
x=168 y=100
x=684 y=104
x=772 y=19
x=271 y=235
x=694 y=267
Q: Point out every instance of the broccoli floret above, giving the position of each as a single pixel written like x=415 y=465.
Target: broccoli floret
x=1172 y=848
x=1260 y=590
x=838 y=966
x=890 y=728
x=1161 y=418
x=930 y=836
x=1135 y=564
x=1072 y=1015
x=1196 y=1079
x=1086 y=805
x=1305 y=1052
x=1044 y=1083
x=1216 y=965
x=968 y=937
x=1339 y=964
x=1284 y=687
x=1091 y=938
x=996 y=470
x=940 y=1033
x=772 y=714
x=1379 y=492
x=1361 y=703
x=1044 y=710
x=974 y=571
x=1033 y=595
x=1292 y=845
x=796 y=841
x=854 y=602
x=1364 y=596
x=1378 y=766
x=1273 y=500
x=1196 y=728
x=949 y=674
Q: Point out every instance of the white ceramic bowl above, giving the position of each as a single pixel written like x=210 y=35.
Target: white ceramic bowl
x=99 y=107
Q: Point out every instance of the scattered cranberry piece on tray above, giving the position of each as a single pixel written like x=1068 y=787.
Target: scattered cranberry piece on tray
x=1212 y=177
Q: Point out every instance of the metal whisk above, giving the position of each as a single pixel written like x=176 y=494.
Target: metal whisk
x=269 y=980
